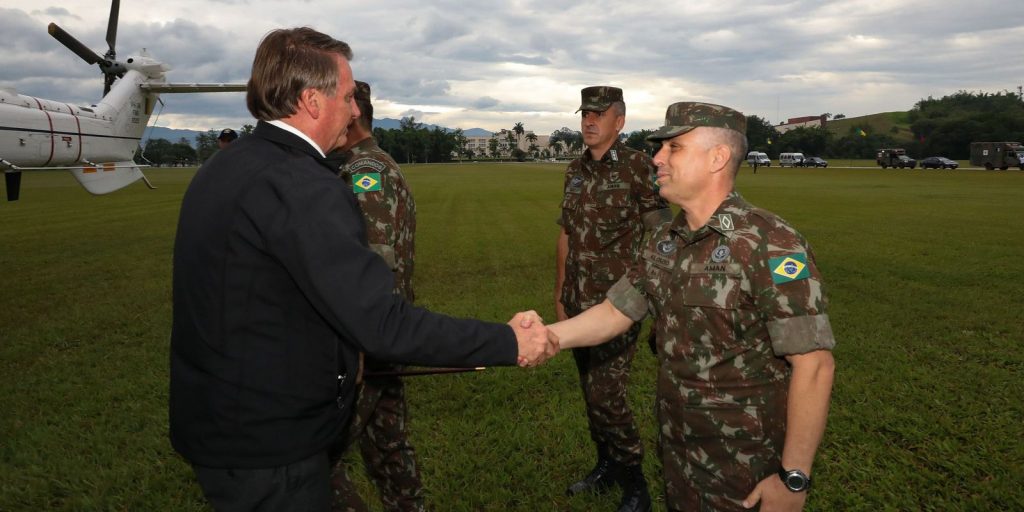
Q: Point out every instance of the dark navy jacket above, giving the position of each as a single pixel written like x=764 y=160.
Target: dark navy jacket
x=275 y=292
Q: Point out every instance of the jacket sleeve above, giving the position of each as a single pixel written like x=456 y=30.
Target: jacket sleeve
x=318 y=236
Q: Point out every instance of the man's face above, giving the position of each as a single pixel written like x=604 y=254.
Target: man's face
x=600 y=129
x=340 y=109
x=684 y=166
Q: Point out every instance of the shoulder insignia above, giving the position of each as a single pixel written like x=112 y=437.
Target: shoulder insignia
x=366 y=182
x=792 y=267
x=725 y=222
x=367 y=163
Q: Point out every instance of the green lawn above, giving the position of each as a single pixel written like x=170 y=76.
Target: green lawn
x=923 y=270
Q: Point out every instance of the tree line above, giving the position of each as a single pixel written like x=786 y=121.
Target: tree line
x=944 y=126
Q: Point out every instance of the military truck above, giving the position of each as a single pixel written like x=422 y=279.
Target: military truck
x=894 y=157
x=1002 y=155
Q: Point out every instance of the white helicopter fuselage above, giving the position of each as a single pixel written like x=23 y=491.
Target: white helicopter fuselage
x=47 y=133
x=97 y=143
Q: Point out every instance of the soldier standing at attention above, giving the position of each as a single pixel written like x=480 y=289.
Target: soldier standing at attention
x=379 y=424
x=744 y=341
x=609 y=201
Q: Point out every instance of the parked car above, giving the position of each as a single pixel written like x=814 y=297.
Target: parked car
x=904 y=161
x=813 y=161
x=938 y=162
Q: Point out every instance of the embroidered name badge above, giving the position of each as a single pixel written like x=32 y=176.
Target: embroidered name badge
x=618 y=185
x=368 y=182
x=788 y=268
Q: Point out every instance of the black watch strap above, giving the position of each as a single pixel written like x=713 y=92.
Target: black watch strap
x=795 y=480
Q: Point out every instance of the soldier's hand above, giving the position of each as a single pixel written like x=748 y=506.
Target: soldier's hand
x=774 y=497
x=560 y=311
x=536 y=343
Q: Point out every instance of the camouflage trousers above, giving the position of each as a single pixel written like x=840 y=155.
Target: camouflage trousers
x=713 y=457
x=604 y=374
x=379 y=427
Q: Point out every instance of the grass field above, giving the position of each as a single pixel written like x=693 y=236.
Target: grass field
x=923 y=270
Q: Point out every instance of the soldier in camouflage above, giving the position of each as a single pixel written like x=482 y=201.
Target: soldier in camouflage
x=379 y=422
x=744 y=341
x=608 y=204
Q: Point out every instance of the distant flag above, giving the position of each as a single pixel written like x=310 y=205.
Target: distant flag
x=922 y=139
x=862 y=132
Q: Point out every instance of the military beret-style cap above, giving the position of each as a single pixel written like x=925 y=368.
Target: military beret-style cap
x=599 y=98
x=362 y=91
x=686 y=115
x=227 y=134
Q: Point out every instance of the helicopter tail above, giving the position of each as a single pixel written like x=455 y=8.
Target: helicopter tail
x=99 y=179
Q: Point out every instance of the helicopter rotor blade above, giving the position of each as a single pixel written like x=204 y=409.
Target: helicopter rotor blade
x=72 y=44
x=115 y=7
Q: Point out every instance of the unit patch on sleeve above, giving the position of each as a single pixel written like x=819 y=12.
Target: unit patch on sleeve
x=366 y=165
x=367 y=182
x=792 y=267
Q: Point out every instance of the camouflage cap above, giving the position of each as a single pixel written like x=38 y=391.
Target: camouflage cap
x=362 y=91
x=599 y=98
x=686 y=115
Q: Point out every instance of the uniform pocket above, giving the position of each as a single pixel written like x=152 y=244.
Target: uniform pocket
x=712 y=290
x=724 y=422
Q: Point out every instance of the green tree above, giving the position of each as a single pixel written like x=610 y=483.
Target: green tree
x=637 y=140
x=948 y=125
x=492 y=146
x=759 y=132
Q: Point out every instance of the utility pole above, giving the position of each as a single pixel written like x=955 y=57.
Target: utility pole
x=1020 y=92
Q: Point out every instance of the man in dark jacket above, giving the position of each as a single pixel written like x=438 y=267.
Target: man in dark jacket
x=275 y=293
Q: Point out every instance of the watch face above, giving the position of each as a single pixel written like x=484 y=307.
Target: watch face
x=796 y=481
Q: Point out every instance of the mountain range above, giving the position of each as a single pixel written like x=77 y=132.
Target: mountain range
x=176 y=134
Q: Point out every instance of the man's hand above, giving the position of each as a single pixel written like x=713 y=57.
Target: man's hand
x=774 y=496
x=560 y=310
x=536 y=343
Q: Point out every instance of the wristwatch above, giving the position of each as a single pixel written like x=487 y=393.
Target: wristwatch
x=795 y=480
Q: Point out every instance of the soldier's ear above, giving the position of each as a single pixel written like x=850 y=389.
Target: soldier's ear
x=720 y=155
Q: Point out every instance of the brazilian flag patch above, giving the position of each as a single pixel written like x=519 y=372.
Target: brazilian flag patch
x=368 y=182
x=792 y=267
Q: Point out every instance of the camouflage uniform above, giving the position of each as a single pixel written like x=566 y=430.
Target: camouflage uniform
x=607 y=205
x=729 y=301
x=379 y=422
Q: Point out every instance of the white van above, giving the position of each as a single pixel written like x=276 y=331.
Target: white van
x=791 y=159
x=759 y=158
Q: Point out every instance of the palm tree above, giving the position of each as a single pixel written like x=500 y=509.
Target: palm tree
x=518 y=130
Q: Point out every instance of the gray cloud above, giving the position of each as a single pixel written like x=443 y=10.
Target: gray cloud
x=455 y=61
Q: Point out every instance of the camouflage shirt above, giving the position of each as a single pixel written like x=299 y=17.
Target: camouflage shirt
x=729 y=300
x=388 y=208
x=608 y=204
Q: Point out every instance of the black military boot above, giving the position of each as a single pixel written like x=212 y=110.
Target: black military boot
x=604 y=475
x=635 y=497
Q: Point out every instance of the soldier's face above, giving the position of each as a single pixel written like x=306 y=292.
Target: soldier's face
x=684 y=164
x=340 y=109
x=600 y=129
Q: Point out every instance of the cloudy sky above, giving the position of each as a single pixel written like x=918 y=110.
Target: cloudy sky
x=492 y=64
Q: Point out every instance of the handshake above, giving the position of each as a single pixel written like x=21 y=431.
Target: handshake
x=536 y=342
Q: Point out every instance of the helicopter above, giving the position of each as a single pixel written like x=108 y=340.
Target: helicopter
x=96 y=143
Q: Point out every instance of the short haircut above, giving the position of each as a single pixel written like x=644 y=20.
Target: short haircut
x=365 y=118
x=287 y=62
x=619 y=107
x=734 y=140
